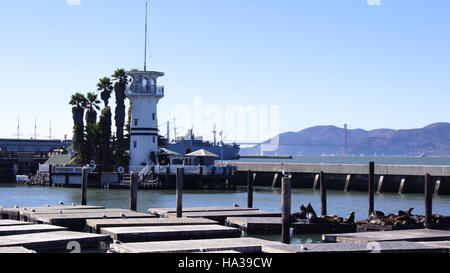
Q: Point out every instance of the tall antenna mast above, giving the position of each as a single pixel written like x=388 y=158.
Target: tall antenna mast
x=35 y=127
x=145 y=51
x=18 y=126
x=50 y=131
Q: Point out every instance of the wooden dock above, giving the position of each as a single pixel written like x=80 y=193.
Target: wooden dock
x=170 y=233
x=45 y=241
x=77 y=221
x=15 y=250
x=24 y=229
x=243 y=245
x=163 y=212
x=394 y=235
x=7 y=222
x=381 y=247
x=272 y=225
x=29 y=215
x=220 y=216
x=14 y=213
x=95 y=225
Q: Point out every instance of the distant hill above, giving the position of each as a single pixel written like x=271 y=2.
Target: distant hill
x=432 y=140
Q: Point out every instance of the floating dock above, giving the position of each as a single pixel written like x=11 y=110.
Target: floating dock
x=25 y=229
x=45 y=241
x=13 y=223
x=272 y=225
x=244 y=245
x=170 y=233
x=14 y=213
x=381 y=247
x=221 y=216
x=163 y=212
x=15 y=250
x=394 y=235
x=95 y=225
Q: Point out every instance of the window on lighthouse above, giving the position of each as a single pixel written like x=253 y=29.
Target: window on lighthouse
x=136 y=122
x=153 y=139
x=135 y=144
x=153 y=116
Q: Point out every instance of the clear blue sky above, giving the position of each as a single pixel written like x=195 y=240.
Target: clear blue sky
x=323 y=62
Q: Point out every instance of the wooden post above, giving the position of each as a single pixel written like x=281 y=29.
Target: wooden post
x=84 y=184
x=179 y=178
x=286 y=209
x=428 y=201
x=134 y=178
x=323 y=192
x=50 y=175
x=371 y=186
x=249 y=190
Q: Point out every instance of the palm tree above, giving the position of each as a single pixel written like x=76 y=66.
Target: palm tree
x=105 y=86
x=91 y=106
x=121 y=80
x=79 y=103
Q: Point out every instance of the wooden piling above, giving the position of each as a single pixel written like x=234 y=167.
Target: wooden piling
x=249 y=190
x=179 y=187
x=286 y=209
x=371 y=186
x=323 y=192
x=428 y=201
x=84 y=184
x=134 y=178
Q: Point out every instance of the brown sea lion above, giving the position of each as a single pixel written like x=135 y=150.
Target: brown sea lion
x=409 y=212
x=303 y=212
x=350 y=219
x=310 y=210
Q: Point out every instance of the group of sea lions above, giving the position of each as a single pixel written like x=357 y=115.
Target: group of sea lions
x=309 y=213
x=403 y=219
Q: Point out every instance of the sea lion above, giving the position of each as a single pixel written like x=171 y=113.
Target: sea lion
x=303 y=212
x=376 y=215
x=310 y=210
x=350 y=219
x=409 y=212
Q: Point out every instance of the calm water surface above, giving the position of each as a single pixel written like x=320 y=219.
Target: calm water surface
x=268 y=199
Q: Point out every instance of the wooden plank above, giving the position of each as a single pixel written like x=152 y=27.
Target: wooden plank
x=168 y=233
x=52 y=240
x=77 y=221
x=164 y=211
x=96 y=224
x=380 y=247
x=24 y=229
x=245 y=245
x=15 y=250
x=13 y=223
x=445 y=244
x=13 y=213
x=220 y=216
x=394 y=235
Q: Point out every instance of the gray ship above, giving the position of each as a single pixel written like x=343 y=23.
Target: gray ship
x=190 y=143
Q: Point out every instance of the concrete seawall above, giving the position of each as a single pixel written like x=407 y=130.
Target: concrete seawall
x=388 y=178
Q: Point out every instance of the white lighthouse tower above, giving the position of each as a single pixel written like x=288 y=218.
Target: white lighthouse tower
x=144 y=94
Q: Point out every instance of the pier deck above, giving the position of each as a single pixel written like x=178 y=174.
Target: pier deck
x=6 y=222
x=14 y=250
x=77 y=221
x=395 y=235
x=52 y=240
x=272 y=225
x=96 y=225
x=245 y=245
x=32 y=215
x=163 y=212
x=170 y=233
x=14 y=213
x=384 y=247
x=220 y=216
x=24 y=229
